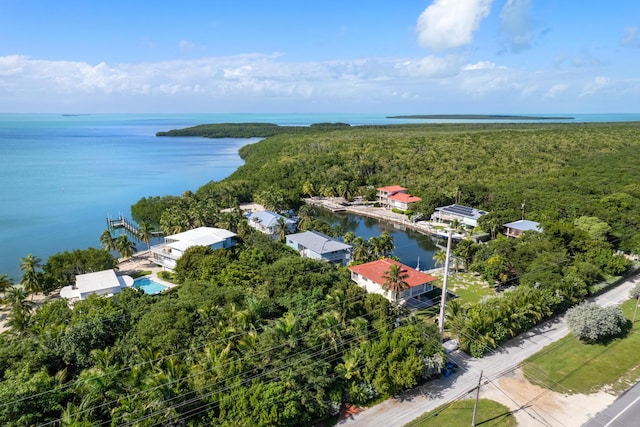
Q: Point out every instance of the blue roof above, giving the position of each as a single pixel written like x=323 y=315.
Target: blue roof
x=268 y=218
x=524 y=225
x=318 y=242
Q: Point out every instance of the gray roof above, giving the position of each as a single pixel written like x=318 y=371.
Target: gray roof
x=524 y=225
x=464 y=211
x=202 y=236
x=318 y=242
x=99 y=280
x=268 y=218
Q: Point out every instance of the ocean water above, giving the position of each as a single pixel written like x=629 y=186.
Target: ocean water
x=63 y=175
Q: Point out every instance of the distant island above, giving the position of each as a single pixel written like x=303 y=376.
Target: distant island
x=477 y=117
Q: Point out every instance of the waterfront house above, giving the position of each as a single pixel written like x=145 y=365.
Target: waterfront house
x=371 y=276
x=465 y=215
x=167 y=254
x=314 y=245
x=516 y=228
x=105 y=282
x=267 y=223
x=395 y=196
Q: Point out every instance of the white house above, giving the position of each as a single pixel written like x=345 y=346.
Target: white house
x=311 y=244
x=104 y=282
x=371 y=276
x=267 y=222
x=167 y=254
x=465 y=215
x=516 y=228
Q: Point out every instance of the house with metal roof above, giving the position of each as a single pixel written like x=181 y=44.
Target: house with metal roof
x=267 y=222
x=106 y=283
x=465 y=215
x=516 y=228
x=395 y=196
x=372 y=277
x=314 y=245
x=167 y=254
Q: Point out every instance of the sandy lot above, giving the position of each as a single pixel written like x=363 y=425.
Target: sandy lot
x=535 y=406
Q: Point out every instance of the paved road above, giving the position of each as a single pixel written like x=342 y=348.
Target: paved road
x=624 y=412
x=410 y=405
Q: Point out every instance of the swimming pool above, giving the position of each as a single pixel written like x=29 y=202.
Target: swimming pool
x=149 y=286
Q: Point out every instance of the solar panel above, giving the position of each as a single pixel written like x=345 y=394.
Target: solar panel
x=460 y=210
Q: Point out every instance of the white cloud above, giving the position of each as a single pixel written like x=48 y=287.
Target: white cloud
x=481 y=65
x=516 y=24
x=432 y=66
x=556 y=90
x=449 y=24
x=596 y=85
x=630 y=37
x=255 y=82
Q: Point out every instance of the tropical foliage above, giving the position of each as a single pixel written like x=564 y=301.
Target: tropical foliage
x=592 y=323
x=255 y=335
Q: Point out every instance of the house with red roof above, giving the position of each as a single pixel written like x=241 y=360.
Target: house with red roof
x=372 y=277
x=395 y=196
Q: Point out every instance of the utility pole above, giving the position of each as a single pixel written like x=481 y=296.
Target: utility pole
x=475 y=405
x=522 y=208
x=443 y=299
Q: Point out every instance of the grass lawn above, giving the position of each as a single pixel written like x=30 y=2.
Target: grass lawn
x=570 y=366
x=460 y=414
x=466 y=286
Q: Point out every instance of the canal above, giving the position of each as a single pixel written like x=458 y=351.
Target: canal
x=412 y=248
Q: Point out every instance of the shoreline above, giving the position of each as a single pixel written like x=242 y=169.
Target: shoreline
x=338 y=204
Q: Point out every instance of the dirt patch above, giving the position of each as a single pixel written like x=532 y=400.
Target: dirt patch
x=534 y=406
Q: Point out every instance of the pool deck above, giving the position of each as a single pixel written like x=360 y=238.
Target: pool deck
x=141 y=261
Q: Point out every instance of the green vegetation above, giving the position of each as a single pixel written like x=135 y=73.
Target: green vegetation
x=255 y=335
x=258 y=335
x=592 y=323
x=459 y=414
x=140 y=274
x=477 y=117
x=249 y=130
x=571 y=366
x=468 y=287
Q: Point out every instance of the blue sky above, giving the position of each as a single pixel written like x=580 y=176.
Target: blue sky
x=431 y=57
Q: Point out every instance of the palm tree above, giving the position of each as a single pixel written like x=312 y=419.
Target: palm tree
x=144 y=233
x=308 y=189
x=106 y=241
x=456 y=225
x=32 y=278
x=349 y=237
x=5 y=283
x=305 y=216
x=125 y=246
x=30 y=263
x=395 y=280
x=281 y=229
x=16 y=297
x=440 y=257
x=386 y=243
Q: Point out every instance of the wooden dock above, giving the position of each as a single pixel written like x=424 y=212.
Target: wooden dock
x=122 y=222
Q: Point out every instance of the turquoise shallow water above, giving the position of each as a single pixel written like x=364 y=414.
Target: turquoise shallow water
x=61 y=176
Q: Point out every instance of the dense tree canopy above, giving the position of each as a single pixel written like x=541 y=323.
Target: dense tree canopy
x=257 y=335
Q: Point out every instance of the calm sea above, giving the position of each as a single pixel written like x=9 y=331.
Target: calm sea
x=62 y=176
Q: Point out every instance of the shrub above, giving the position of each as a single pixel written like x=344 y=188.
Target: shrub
x=592 y=323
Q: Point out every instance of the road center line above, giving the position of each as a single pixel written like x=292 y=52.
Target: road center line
x=622 y=412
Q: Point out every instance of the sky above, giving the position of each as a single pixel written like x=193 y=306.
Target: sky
x=348 y=56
